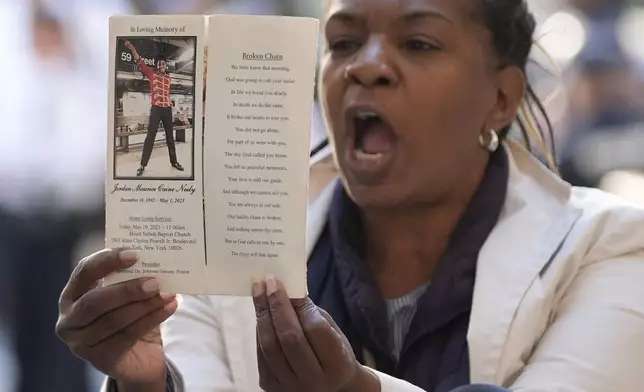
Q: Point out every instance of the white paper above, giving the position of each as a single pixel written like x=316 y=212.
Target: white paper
x=160 y=213
x=259 y=107
x=237 y=211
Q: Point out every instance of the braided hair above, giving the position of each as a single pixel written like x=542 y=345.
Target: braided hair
x=512 y=27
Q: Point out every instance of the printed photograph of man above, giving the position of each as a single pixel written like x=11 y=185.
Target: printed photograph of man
x=155 y=88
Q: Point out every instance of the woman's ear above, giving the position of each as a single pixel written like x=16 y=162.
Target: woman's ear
x=511 y=88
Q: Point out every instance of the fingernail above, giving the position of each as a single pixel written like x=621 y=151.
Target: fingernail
x=150 y=286
x=172 y=306
x=271 y=285
x=179 y=300
x=258 y=288
x=128 y=256
x=167 y=296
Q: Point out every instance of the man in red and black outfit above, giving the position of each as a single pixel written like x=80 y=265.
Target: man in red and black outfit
x=161 y=110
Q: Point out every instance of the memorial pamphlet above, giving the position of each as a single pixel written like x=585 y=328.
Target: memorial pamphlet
x=208 y=149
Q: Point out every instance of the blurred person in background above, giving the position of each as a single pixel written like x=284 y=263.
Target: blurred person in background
x=599 y=10
x=255 y=7
x=52 y=163
x=605 y=116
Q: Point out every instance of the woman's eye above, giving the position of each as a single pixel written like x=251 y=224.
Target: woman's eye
x=342 y=45
x=418 y=45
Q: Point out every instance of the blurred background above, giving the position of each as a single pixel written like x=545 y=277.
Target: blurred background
x=589 y=70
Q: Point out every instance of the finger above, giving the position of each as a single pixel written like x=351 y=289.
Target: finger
x=120 y=319
x=267 y=338
x=102 y=300
x=94 y=268
x=295 y=346
x=123 y=340
x=330 y=320
x=329 y=343
x=267 y=380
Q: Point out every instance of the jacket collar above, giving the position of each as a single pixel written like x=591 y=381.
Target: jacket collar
x=535 y=220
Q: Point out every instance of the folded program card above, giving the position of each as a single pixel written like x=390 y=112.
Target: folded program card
x=208 y=153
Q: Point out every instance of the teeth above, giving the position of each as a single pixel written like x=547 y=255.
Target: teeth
x=368 y=157
x=367 y=114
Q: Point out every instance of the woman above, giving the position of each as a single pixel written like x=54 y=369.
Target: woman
x=429 y=203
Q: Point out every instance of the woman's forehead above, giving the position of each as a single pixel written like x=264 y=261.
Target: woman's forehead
x=393 y=8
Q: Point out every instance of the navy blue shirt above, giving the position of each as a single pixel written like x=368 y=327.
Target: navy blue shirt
x=434 y=355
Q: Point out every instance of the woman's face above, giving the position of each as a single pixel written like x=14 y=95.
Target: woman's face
x=408 y=86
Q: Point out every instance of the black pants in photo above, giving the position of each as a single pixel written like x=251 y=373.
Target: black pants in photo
x=164 y=115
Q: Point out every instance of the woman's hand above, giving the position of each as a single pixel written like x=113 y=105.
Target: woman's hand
x=300 y=348
x=116 y=328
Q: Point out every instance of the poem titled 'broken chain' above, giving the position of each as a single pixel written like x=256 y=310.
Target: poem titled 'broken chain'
x=255 y=177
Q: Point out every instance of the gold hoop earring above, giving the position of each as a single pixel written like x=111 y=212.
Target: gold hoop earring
x=490 y=140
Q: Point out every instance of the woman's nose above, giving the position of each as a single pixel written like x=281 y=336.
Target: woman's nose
x=372 y=66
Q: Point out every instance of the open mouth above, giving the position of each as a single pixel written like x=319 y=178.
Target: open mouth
x=373 y=137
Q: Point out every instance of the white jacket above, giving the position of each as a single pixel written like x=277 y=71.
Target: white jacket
x=558 y=303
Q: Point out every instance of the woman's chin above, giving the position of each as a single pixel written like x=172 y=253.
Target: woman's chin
x=382 y=196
